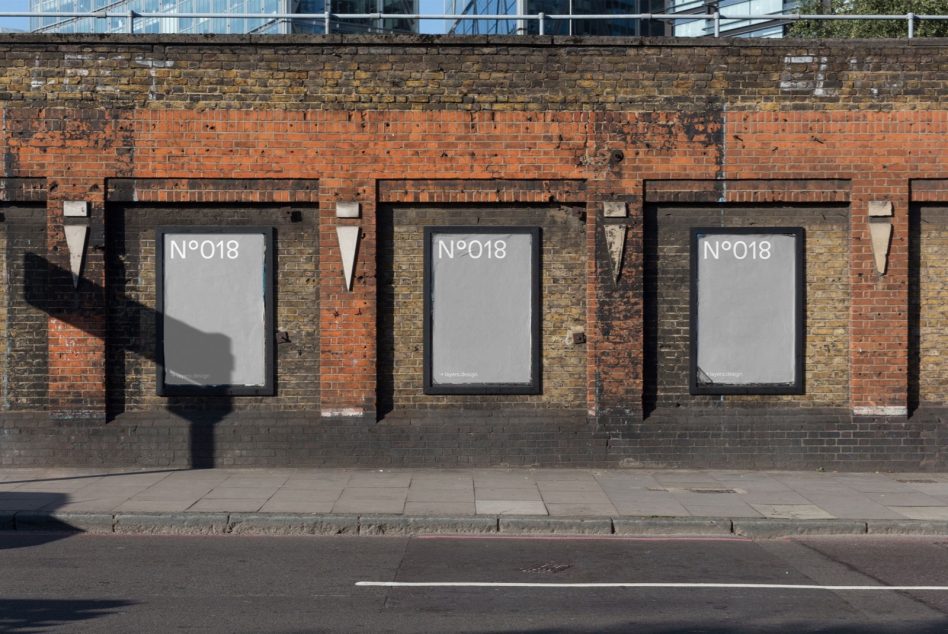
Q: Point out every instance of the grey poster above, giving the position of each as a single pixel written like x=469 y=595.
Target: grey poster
x=214 y=309
x=746 y=317
x=481 y=308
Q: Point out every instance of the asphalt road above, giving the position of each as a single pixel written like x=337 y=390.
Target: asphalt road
x=81 y=583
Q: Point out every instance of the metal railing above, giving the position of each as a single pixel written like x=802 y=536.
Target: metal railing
x=327 y=18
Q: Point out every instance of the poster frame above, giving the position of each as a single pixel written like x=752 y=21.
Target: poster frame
x=269 y=386
x=797 y=386
x=534 y=385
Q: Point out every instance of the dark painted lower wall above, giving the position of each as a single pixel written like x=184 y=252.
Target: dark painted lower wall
x=739 y=439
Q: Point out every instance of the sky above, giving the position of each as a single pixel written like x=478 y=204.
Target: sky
x=14 y=5
x=427 y=6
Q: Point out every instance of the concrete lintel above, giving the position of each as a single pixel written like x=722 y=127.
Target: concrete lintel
x=614 y=209
x=348 y=210
x=75 y=209
x=880 y=209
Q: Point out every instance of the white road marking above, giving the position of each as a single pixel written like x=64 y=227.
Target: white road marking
x=741 y=586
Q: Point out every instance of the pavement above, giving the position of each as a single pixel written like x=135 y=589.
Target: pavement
x=526 y=501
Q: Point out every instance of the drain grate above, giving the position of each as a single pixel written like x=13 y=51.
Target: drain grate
x=919 y=481
x=547 y=569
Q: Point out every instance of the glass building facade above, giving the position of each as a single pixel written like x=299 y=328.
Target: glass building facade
x=172 y=23
x=557 y=7
x=701 y=26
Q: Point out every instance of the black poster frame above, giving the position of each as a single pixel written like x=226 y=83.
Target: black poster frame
x=269 y=386
x=534 y=386
x=798 y=385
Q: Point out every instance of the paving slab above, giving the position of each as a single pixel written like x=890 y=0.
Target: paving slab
x=792 y=511
x=905 y=498
x=379 y=479
x=64 y=521
x=277 y=506
x=580 y=509
x=725 y=508
x=87 y=506
x=922 y=512
x=440 y=495
x=387 y=506
x=759 y=503
x=786 y=496
x=491 y=493
x=503 y=479
x=453 y=481
x=575 y=497
x=928 y=488
x=440 y=508
x=509 y=507
x=155 y=506
x=248 y=481
x=27 y=503
x=671 y=509
x=244 y=505
x=308 y=481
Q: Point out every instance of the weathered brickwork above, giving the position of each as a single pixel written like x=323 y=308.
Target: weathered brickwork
x=933 y=306
x=132 y=295
x=24 y=353
x=471 y=74
x=242 y=129
x=563 y=283
x=668 y=283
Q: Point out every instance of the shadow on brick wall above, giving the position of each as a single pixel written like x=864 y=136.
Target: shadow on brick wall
x=73 y=306
x=914 y=307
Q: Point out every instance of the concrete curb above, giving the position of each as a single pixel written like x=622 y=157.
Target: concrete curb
x=555 y=525
x=185 y=523
x=675 y=526
x=771 y=528
x=426 y=525
x=907 y=527
x=171 y=523
x=291 y=524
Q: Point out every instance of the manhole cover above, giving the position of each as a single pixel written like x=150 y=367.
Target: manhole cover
x=547 y=569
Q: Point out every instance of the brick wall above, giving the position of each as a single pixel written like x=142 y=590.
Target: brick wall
x=131 y=345
x=563 y=284
x=24 y=354
x=246 y=125
x=668 y=283
x=933 y=306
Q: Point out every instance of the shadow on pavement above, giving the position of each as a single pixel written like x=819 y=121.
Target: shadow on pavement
x=31 y=510
x=88 y=476
x=39 y=615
